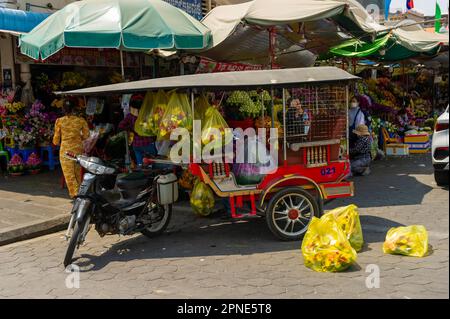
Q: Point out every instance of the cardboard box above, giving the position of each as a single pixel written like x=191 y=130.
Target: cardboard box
x=397 y=150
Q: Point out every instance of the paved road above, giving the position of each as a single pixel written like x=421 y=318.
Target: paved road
x=207 y=258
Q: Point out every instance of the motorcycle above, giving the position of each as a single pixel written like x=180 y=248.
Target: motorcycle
x=119 y=203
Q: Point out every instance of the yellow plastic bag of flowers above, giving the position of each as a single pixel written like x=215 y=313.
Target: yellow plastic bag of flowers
x=178 y=114
x=150 y=114
x=325 y=247
x=202 y=199
x=214 y=120
x=408 y=241
x=347 y=218
x=201 y=105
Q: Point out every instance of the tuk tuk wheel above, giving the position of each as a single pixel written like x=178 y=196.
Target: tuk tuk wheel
x=289 y=213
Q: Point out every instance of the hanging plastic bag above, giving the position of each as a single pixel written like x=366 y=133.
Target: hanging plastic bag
x=325 y=247
x=202 y=199
x=201 y=105
x=214 y=120
x=178 y=114
x=408 y=241
x=150 y=114
x=347 y=218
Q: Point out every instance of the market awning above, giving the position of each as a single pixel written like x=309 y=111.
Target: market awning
x=223 y=20
x=18 y=21
x=227 y=81
x=385 y=48
x=360 y=49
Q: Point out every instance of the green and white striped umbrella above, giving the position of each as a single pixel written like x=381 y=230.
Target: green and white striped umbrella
x=134 y=25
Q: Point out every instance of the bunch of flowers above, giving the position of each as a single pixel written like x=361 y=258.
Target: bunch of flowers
x=245 y=104
x=40 y=124
x=23 y=138
x=73 y=80
x=36 y=108
x=14 y=107
x=34 y=162
x=44 y=84
x=57 y=103
x=16 y=165
x=3 y=110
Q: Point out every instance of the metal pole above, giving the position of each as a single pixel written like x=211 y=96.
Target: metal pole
x=121 y=64
x=347 y=142
x=284 y=127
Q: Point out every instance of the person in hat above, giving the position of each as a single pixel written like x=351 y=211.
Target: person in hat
x=70 y=132
x=142 y=145
x=360 y=156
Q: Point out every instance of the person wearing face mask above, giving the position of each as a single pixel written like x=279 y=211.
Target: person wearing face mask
x=142 y=145
x=356 y=118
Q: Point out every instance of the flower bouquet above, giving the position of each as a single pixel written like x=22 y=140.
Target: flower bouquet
x=16 y=167
x=178 y=114
x=34 y=164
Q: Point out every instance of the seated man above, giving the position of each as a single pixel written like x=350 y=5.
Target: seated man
x=360 y=156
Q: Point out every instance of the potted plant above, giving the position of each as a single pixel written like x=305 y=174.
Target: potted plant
x=16 y=167
x=34 y=164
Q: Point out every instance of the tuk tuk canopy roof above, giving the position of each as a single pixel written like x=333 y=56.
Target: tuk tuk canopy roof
x=227 y=80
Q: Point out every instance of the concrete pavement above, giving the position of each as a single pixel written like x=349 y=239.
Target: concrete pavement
x=209 y=258
x=32 y=206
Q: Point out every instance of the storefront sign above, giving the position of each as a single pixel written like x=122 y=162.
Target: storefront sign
x=86 y=58
x=209 y=66
x=192 y=7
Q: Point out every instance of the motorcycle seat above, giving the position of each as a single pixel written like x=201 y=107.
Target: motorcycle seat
x=132 y=181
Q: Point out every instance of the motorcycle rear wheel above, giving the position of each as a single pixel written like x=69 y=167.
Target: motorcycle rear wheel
x=159 y=228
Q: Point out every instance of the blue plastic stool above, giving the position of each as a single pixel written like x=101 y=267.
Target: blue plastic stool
x=12 y=151
x=52 y=158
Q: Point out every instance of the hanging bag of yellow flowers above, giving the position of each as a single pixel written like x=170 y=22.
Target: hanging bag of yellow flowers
x=408 y=241
x=212 y=124
x=325 y=247
x=347 y=218
x=202 y=199
x=150 y=113
x=178 y=114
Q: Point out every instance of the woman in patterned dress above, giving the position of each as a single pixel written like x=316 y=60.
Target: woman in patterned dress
x=70 y=132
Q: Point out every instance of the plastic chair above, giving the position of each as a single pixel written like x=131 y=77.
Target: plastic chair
x=52 y=158
x=387 y=139
x=4 y=153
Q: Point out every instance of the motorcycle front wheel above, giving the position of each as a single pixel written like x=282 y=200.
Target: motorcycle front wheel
x=158 y=228
x=74 y=241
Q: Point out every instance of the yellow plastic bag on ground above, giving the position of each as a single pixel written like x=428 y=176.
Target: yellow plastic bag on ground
x=150 y=114
x=325 y=247
x=347 y=218
x=202 y=199
x=178 y=114
x=408 y=241
x=214 y=120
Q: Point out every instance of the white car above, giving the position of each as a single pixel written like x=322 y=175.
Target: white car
x=440 y=150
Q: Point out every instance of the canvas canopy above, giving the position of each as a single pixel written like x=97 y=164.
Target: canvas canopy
x=228 y=81
x=223 y=20
x=242 y=27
